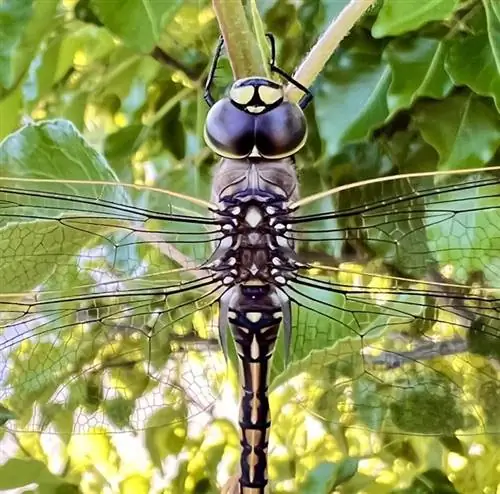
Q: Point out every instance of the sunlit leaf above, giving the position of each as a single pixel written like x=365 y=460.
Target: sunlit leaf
x=396 y=17
x=16 y=473
x=328 y=476
x=166 y=433
x=135 y=484
x=52 y=149
x=137 y=22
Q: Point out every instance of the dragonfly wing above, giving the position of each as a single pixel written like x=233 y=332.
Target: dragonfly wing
x=101 y=306
x=406 y=336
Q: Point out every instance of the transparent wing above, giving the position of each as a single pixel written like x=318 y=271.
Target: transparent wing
x=396 y=318
x=106 y=312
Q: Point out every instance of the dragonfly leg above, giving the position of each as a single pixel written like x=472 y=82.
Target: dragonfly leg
x=207 y=95
x=308 y=96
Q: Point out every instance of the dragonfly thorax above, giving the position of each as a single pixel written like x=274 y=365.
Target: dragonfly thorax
x=254 y=250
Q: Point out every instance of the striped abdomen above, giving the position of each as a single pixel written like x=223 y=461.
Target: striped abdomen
x=255 y=333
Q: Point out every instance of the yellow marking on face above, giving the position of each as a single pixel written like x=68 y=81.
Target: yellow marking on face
x=255 y=108
x=242 y=95
x=270 y=95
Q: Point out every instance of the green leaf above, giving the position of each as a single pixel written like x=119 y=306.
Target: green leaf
x=493 y=23
x=24 y=23
x=166 y=432
x=10 y=111
x=464 y=130
x=138 y=22
x=430 y=482
x=328 y=476
x=53 y=149
x=6 y=415
x=120 y=145
x=353 y=101
x=16 y=473
x=96 y=447
x=427 y=394
x=398 y=17
x=35 y=250
x=58 y=58
x=475 y=60
x=119 y=411
x=14 y=16
x=417 y=66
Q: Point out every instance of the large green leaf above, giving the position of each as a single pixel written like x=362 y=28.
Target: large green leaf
x=33 y=251
x=52 y=150
x=463 y=129
x=24 y=23
x=474 y=60
x=398 y=17
x=417 y=66
x=353 y=100
x=471 y=61
x=137 y=22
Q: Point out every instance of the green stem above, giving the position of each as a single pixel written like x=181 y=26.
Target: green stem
x=239 y=40
x=168 y=105
x=329 y=41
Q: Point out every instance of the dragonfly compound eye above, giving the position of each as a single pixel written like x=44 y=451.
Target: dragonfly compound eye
x=229 y=132
x=255 y=119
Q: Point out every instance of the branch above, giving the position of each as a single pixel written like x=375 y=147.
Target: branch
x=165 y=59
x=321 y=52
x=239 y=40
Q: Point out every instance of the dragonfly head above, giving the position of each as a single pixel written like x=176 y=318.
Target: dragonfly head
x=255 y=120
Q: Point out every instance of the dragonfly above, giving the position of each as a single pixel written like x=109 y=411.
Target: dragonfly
x=376 y=302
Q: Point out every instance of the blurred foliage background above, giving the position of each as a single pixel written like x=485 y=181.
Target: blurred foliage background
x=414 y=87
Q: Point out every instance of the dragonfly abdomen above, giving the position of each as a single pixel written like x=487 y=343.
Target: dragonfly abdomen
x=255 y=334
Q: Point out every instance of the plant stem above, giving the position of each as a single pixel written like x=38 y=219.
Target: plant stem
x=239 y=40
x=316 y=59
